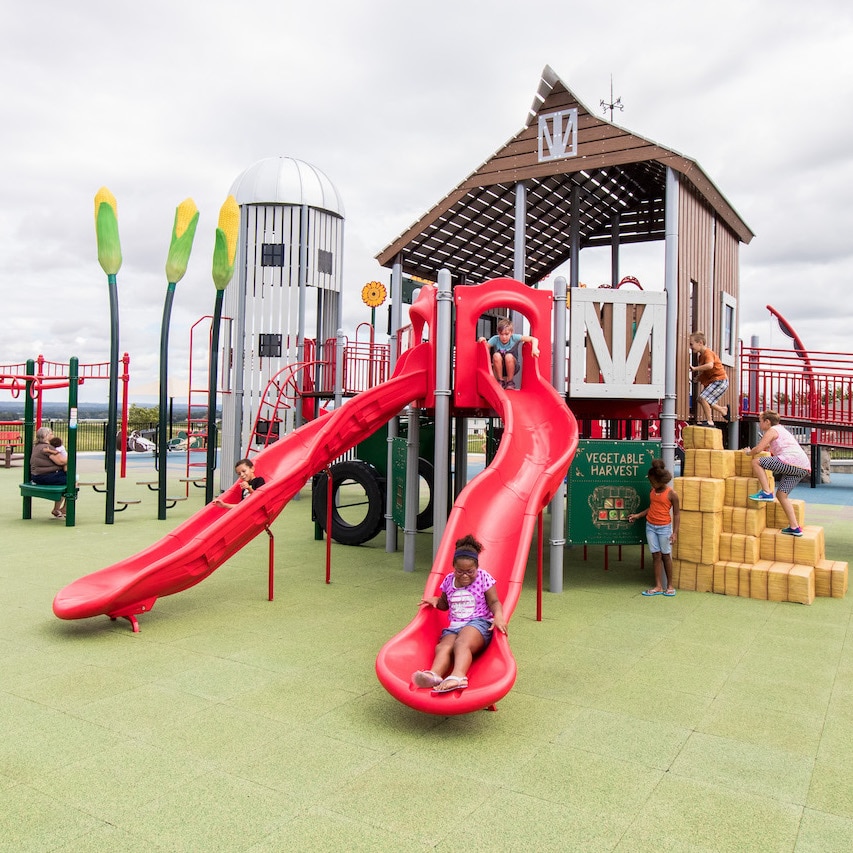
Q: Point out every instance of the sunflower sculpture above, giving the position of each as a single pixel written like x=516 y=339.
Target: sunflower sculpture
x=373 y=294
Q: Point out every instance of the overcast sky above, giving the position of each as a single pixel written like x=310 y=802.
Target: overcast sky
x=396 y=103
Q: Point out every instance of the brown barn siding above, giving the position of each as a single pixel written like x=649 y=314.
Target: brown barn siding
x=708 y=255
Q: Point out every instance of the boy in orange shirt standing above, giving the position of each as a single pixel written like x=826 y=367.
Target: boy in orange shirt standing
x=712 y=375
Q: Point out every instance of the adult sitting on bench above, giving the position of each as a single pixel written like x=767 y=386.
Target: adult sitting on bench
x=46 y=467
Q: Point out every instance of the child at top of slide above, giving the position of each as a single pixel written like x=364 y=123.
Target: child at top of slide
x=505 y=347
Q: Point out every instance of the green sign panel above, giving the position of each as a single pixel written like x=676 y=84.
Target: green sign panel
x=608 y=482
x=397 y=481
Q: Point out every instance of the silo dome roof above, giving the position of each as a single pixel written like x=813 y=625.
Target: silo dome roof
x=285 y=180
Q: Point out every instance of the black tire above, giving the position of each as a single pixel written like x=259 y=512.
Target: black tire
x=426 y=472
x=359 y=526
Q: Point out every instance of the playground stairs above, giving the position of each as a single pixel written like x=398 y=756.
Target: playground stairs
x=731 y=545
x=279 y=401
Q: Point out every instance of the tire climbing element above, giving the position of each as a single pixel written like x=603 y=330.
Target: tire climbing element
x=364 y=503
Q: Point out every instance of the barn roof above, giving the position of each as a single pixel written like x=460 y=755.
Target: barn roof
x=471 y=230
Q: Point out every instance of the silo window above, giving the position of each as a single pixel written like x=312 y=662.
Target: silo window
x=324 y=261
x=272 y=254
x=269 y=346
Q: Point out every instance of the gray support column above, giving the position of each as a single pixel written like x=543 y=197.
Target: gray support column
x=558 y=378
x=410 y=531
x=226 y=469
x=614 y=249
x=443 y=343
x=520 y=242
x=574 y=236
x=396 y=315
x=520 y=245
x=339 y=368
x=303 y=293
x=667 y=418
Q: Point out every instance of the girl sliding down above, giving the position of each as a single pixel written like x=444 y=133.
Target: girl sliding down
x=468 y=592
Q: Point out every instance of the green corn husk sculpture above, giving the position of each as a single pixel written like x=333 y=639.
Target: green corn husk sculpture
x=106 y=231
x=225 y=246
x=109 y=257
x=224 y=254
x=183 y=234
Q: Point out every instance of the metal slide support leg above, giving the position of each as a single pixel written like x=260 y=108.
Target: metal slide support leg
x=271 y=564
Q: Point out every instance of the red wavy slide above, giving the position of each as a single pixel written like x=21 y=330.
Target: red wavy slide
x=500 y=507
x=194 y=549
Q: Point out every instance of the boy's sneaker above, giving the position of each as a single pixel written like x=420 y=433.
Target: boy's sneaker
x=762 y=496
x=793 y=531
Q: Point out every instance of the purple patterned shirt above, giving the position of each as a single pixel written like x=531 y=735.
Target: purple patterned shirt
x=468 y=602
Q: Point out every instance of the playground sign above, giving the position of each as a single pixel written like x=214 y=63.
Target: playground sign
x=608 y=482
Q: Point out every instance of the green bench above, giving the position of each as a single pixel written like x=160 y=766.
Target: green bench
x=49 y=493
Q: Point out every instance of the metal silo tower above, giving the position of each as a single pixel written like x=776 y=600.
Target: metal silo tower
x=286 y=287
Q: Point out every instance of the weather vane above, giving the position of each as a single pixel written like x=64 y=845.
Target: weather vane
x=613 y=105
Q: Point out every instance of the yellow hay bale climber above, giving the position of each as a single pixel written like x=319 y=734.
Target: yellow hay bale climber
x=830 y=578
x=744 y=580
x=839 y=579
x=738 y=490
x=699 y=537
x=698 y=494
x=684 y=574
x=709 y=463
x=719 y=578
x=701 y=438
x=777 y=581
x=758 y=580
x=775 y=546
x=739 y=548
x=731 y=577
x=704 y=577
x=722 y=463
x=801 y=584
x=743 y=462
x=810 y=547
x=776 y=515
x=745 y=520
x=697 y=463
x=806 y=549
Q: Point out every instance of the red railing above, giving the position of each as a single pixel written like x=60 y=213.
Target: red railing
x=813 y=388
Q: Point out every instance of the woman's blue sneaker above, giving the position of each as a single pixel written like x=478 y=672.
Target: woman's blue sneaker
x=793 y=531
x=762 y=496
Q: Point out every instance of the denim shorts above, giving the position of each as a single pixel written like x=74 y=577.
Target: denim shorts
x=657 y=535
x=484 y=626
x=55 y=478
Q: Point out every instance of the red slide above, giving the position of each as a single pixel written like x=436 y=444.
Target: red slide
x=205 y=541
x=500 y=508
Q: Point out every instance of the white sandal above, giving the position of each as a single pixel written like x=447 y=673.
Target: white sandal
x=426 y=678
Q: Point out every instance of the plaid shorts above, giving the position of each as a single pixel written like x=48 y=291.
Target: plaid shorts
x=714 y=390
x=786 y=476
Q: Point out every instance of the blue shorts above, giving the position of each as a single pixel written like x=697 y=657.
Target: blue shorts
x=484 y=626
x=658 y=536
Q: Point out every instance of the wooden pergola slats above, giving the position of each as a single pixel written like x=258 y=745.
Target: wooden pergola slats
x=471 y=230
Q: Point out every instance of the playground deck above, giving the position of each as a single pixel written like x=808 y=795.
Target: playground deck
x=233 y=723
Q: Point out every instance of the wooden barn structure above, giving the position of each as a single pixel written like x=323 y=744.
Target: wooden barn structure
x=569 y=180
